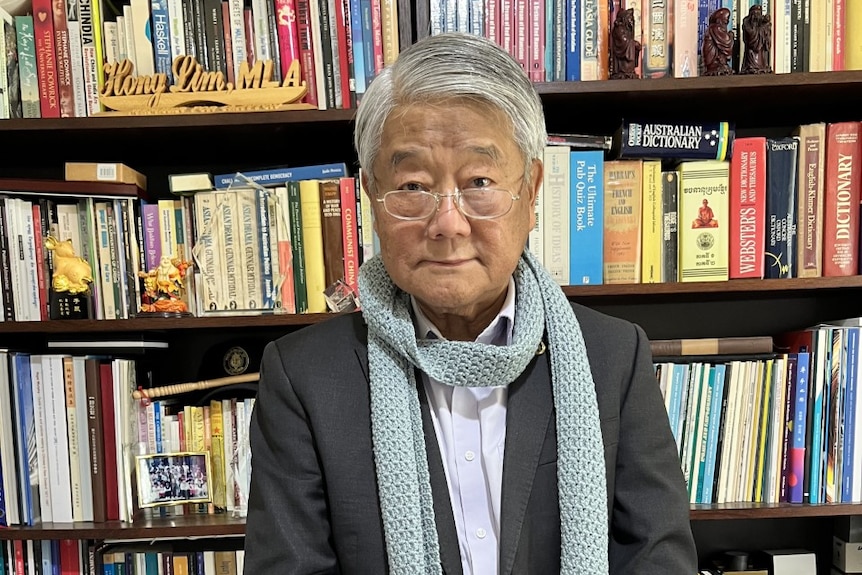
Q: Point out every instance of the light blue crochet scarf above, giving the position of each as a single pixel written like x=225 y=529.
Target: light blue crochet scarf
x=396 y=423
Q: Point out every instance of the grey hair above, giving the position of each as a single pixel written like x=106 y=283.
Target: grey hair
x=452 y=66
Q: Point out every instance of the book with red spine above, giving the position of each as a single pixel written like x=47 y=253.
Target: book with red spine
x=747 y=207
x=349 y=232
x=306 y=50
x=288 y=36
x=842 y=192
x=46 y=60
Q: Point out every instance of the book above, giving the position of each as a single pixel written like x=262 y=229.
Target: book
x=781 y=192
x=747 y=207
x=40 y=187
x=703 y=220
x=677 y=141
x=280 y=176
x=651 y=222
x=580 y=141
x=841 y=204
x=711 y=346
x=621 y=256
x=189 y=183
x=104 y=172
x=586 y=227
x=809 y=228
x=670 y=226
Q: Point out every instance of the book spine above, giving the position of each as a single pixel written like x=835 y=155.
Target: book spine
x=161 y=30
x=747 y=207
x=812 y=146
x=297 y=246
x=651 y=222
x=76 y=59
x=229 y=244
x=623 y=189
x=557 y=190
x=842 y=193
x=248 y=249
x=704 y=206
x=657 y=55
x=670 y=227
x=330 y=211
x=63 y=62
x=691 y=141
x=586 y=226
x=27 y=67
x=266 y=229
x=46 y=60
x=280 y=176
x=312 y=238
x=214 y=34
x=349 y=233
x=781 y=191
x=685 y=48
x=573 y=40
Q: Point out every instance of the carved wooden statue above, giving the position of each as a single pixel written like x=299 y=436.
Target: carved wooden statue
x=717 y=48
x=625 y=48
x=757 y=35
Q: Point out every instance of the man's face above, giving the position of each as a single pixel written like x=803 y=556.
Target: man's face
x=449 y=263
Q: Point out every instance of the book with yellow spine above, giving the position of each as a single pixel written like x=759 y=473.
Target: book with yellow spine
x=312 y=244
x=651 y=223
x=703 y=220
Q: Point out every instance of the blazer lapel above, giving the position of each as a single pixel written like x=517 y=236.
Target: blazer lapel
x=529 y=410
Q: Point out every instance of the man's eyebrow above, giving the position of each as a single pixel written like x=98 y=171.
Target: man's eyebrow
x=491 y=151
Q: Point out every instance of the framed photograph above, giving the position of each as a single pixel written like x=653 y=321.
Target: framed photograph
x=173 y=478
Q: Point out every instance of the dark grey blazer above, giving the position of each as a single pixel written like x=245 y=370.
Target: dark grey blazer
x=313 y=506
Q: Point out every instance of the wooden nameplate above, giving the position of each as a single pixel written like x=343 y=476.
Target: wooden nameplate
x=197 y=91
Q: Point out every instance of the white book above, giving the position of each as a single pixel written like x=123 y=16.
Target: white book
x=237 y=34
x=177 y=28
x=88 y=58
x=143 y=38
x=4 y=80
x=125 y=42
x=317 y=43
x=260 y=25
x=556 y=188
x=112 y=52
x=229 y=424
x=58 y=449
x=40 y=395
x=7 y=454
x=73 y=427
x=77 y=70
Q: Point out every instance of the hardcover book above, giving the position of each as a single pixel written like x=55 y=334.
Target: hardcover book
x=747 y=207
x=842 y=193
x=586 y=226
x=781 y=193
x=670 y=226
x=704 y=205
x=809 y=230
x=679 y=141
x=622 y=221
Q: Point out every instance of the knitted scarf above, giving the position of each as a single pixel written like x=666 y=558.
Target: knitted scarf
x=396 y=424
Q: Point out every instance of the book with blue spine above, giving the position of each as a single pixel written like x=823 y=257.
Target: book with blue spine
x=586 y=224
x=673 y=140
x=715 y=415
x=280 y=176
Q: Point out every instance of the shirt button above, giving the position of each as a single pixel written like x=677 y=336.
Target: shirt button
x=480 y=533
x=469 y=456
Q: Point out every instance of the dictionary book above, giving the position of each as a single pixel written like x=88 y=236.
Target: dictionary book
x=674 y=141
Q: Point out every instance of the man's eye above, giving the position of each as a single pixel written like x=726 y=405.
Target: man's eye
x=412 y=187
x=480 y=183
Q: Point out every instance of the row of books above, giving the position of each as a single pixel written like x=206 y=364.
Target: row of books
x=782 y=427
x=75 y=445
x=87 y=557
x=55 y=66
x=771 y=208
x=570 y=40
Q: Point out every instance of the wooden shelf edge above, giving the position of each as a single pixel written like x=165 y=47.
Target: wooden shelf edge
x=180 y=526
x=700 y=512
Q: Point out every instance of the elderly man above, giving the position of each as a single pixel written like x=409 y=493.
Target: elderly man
x=470 y=419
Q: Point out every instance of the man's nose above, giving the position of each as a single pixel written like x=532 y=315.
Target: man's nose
x=448 y=221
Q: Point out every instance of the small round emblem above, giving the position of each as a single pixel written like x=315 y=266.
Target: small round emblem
x=235 y=361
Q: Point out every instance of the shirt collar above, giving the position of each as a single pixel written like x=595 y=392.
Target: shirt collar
x=498 y=332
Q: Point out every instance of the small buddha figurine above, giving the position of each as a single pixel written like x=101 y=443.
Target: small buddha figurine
x=625 y=48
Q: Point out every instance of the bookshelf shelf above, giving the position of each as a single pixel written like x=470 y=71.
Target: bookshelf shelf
x=187 y=526
x=720 y=512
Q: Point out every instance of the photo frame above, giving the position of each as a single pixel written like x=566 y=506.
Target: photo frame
x=173 y=478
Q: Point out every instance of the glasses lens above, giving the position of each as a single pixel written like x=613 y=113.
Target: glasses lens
x=485 y=203
x=409 y=204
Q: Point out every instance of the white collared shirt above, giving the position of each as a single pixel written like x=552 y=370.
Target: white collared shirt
x=470 y=423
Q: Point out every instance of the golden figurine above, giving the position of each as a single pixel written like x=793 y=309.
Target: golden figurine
x=72 y=273
x=70 y=295
x=164 y=286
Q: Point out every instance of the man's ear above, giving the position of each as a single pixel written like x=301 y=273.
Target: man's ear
x=537 y=171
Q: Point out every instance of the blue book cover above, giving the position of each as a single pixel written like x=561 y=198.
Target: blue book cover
x=28 y=475
x=781 y=193
x=850 y=423
x=673 y=140
x=358 y=38
x=800 y=415
x=708 y=396
x=280 y=176
x=586 y=224
x=712 y=436
x=678 y=384
x=161 y=37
